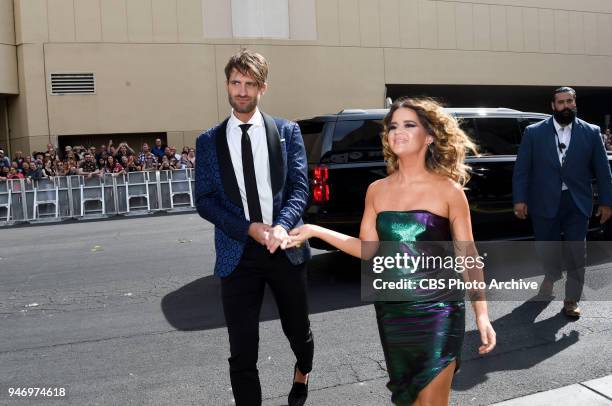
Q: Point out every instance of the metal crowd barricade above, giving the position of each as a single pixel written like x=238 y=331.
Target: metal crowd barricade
x=121 y=193
x=180 y=186
x=191 y=173
x=137 y=187
x=155 y=196
x=163 y=190
x=18 y=203
x=92 y=190
x=5 y=198
x=64 y=197
x=46 y=193
x=29 y=192
x=113 y=184
x=76 y=196
x=74 y=183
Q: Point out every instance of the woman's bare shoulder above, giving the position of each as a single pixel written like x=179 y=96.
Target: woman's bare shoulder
x=445 y=184
x=377 y=192
x=453 y=193
x=378 y=185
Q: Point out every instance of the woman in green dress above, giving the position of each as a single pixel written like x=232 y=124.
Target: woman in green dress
x=421 y=199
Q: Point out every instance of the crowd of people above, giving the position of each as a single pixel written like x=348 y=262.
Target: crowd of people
x=607 y=139
x=79 y=160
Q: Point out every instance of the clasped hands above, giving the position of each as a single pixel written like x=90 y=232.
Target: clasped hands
x=274 y=237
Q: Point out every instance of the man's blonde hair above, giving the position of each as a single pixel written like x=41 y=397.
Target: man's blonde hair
x=248 y=63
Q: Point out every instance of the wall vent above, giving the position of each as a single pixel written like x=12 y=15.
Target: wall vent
x=72 y=83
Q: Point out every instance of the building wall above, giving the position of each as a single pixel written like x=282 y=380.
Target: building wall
x=4 y=141
x=159 y=63
x=8 y=52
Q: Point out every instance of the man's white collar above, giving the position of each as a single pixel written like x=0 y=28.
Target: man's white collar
x=558 y=126
x=255 y=120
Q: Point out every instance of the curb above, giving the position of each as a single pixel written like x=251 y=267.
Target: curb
x=595 y=392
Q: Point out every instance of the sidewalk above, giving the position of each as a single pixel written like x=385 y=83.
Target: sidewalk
x=596 y=392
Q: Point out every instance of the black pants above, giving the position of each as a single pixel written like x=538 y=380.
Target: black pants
x=571 y=255
x=242 y=294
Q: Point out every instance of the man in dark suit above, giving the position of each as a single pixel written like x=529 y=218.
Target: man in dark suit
x=252 y=184
x=552 y=184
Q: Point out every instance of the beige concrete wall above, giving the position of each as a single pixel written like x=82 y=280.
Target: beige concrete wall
x=8 y=70
x=31 y=22
x=309 y=80
x=139 y=88
x=159 y=63
x=8 y=52
x=88 y=23
x=370 y=23
x=548 y=26
x=421 y=66
x=28 y=113
x=150 y=88
x=595 y=6
x=180 y=139
x=113 y=21
x=18 y=120
x=7 y=23
x=4 y=132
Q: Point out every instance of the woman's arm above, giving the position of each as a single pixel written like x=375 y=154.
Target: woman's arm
x=343 y=242
x=461 y=228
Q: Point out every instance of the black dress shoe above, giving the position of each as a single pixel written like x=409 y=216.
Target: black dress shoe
x=546 y=289
x=299 y=391
x=571 y=309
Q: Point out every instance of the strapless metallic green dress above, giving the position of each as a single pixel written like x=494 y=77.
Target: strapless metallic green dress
x=419 y=338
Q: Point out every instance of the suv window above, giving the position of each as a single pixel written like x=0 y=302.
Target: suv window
x=468 y=126
x=496 y=135
x=525 y=122
x=355 y=141
x=312 y=133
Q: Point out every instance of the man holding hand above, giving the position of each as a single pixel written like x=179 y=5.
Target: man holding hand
x=252 y=184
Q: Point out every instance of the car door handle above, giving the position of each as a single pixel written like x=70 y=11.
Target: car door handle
x=480 y=171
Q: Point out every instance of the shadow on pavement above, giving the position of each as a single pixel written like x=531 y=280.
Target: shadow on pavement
x=517 y=332
x=333 y=283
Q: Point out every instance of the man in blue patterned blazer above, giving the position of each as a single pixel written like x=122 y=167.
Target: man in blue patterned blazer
x=252 y=184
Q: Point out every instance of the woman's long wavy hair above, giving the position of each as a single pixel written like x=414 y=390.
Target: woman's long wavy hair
x=446 y=155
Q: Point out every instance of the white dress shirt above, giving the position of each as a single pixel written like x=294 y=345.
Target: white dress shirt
x=259 y=146
x=565 y=136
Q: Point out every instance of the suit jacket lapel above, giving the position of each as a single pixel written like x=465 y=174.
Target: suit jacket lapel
x=575 y=139
x=274 y=154
x=552 y=147
x=226 y=169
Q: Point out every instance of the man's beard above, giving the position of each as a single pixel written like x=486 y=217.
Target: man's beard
x=243 y=110
x=565 y=116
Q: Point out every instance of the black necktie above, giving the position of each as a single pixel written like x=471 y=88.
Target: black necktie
x=250 y=182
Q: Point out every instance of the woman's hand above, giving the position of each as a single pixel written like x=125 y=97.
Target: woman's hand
x=297 y=236
x=487 y=335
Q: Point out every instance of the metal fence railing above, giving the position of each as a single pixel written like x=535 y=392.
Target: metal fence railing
x=81 y=197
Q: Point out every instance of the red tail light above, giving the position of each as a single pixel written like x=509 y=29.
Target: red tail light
x=320 y=188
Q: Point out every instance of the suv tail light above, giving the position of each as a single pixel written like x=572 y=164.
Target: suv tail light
x=320 y=188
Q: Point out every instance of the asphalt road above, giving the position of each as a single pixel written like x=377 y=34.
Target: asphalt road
x=128 y=312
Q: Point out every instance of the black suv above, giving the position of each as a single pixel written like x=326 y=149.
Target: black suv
x=345 y=156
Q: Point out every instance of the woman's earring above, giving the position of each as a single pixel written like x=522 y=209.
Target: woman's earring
x=431 y=148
